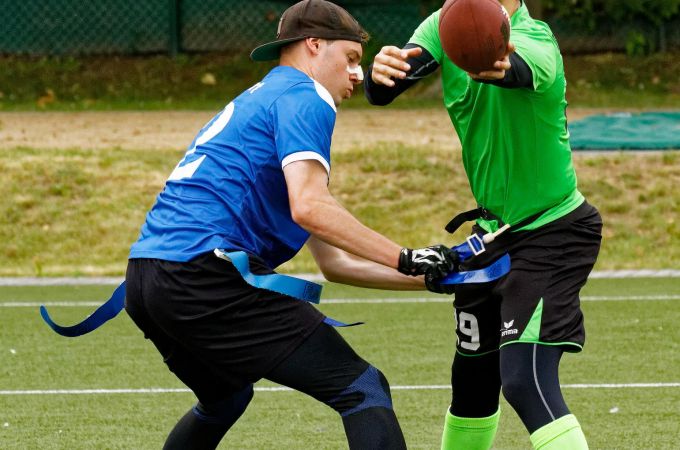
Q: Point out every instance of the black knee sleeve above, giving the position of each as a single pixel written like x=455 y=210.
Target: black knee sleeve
x=369 y=390
x=326 y=368
x=367 y=415
x=531 y=383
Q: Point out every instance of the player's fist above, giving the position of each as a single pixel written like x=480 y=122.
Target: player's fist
x=437 y=259
x=433 y=284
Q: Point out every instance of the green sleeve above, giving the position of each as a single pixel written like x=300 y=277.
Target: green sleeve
x=538 y=48
x=427 y=36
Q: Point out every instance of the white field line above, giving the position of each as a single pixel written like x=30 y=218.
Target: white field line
x=643 y=273
x=286 y=389
x=75 y=281
x=363 y=301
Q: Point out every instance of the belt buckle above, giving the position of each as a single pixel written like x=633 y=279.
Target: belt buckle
x=476 y=244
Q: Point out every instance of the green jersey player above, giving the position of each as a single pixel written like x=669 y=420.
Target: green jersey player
x=511 y=333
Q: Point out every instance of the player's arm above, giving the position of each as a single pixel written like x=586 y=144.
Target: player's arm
x=394 y=70
x=314 y=208
x=340 y=266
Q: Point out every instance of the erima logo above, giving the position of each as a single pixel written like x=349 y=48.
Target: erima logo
x=506 y=330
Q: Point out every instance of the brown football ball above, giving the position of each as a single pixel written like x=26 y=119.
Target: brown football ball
x=474 y=33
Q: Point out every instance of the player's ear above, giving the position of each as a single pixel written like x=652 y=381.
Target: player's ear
x=313 y=45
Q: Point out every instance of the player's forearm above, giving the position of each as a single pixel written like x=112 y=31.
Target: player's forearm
x=339 y=266
x=326 y=219
x=421 y=66
x=367 y=274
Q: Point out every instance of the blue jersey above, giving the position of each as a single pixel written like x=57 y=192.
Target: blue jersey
x=229 y=191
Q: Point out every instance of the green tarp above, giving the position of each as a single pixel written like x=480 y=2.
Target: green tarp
x=627 y=131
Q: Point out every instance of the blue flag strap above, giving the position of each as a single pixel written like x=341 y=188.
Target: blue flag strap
x=473 y=245
x=489 y=273
x=283 y=284
x=103 y=314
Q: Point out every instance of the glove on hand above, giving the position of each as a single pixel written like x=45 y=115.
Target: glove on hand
x=433 y=284
x=437 y=259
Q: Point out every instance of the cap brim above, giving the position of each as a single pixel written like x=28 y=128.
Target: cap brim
x=271 y=50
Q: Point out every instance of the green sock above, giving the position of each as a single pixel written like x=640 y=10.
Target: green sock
x=563 y=434
x=469 y=433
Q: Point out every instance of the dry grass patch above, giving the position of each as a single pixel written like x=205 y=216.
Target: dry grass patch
x=76 y=212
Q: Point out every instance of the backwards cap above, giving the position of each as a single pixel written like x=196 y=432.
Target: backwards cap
x=311 y=18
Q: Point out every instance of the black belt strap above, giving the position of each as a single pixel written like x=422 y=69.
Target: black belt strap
x=477 y=213
x=463 y=217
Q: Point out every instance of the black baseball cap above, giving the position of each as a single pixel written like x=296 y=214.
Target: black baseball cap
x=311 y=18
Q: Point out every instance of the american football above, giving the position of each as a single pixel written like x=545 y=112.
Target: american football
x=474 y=33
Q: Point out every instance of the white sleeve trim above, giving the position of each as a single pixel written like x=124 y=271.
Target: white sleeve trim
x=301 y=156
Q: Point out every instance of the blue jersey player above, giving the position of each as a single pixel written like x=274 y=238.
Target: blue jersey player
x=255 y=180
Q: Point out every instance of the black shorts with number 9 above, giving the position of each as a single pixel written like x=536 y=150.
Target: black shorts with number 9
x=538 y=300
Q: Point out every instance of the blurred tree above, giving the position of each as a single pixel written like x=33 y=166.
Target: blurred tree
x=535 y=8
x=635 y=15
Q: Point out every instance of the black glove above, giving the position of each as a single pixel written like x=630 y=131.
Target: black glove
x=433 y=284
x=438 y=259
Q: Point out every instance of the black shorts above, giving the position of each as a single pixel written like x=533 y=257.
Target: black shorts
x=215 y=332
x=538 y=300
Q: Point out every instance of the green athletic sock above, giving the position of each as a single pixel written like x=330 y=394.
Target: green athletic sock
x=563 y=434
x=469 y=433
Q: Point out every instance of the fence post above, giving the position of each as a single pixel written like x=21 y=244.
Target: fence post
x=663 y=46
x=174 y=30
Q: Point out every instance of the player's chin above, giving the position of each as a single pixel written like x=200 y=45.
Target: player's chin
x=346 y=96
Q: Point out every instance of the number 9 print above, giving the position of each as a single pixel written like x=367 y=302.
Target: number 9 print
x=467 y=325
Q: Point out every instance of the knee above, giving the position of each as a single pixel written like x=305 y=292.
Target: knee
x=517 y=387
x=225 y=411
x=369 y=390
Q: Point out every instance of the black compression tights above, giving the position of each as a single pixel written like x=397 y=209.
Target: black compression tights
x=204 y=426
x=529 y=374
x=324 y=366
x=531 y=383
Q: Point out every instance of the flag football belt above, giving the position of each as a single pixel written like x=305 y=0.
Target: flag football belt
x=283 y=284
x=475 y=241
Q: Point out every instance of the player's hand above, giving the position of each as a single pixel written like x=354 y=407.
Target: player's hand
x=437 y=259
x=433 y=284
x=391 y=63
x=499 y=67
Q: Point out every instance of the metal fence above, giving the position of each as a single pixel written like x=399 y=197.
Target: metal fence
x=637 y=37
x=82 y=27
x=58 y=27
x=89 y=27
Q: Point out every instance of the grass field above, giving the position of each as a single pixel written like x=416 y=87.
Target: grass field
x=624 y=387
